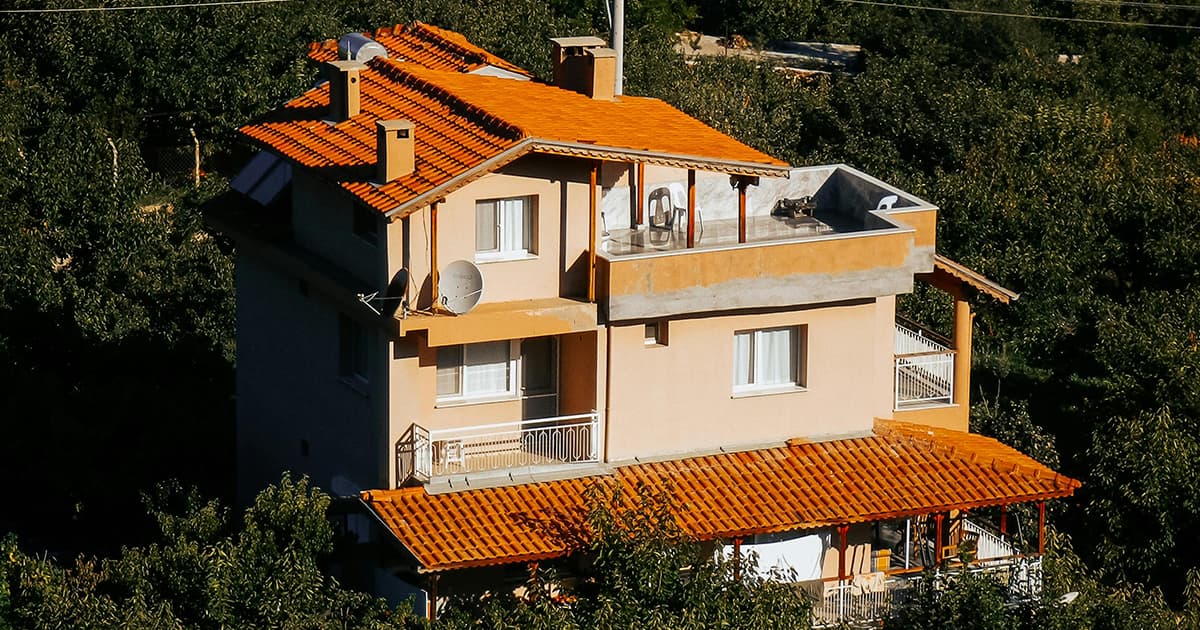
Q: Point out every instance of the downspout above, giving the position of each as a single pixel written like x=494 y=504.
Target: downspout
x=607 y=385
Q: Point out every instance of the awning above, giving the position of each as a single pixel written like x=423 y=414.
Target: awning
x=901 y=470
x=947 y=273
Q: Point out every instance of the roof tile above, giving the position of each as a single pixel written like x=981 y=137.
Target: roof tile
x=902 y=469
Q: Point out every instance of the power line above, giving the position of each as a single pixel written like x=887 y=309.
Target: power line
x=142 y=7
x=1131 y=3
x=1051 y=18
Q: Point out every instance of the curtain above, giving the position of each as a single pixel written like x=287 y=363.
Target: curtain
x=741 y=358
x=485 y=227
x=775 y=357
x=512 y=225
x=487 y=367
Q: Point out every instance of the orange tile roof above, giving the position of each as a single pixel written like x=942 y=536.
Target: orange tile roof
x=426 y=45
x=973 y=279
x=901 y=470
x=468 y=125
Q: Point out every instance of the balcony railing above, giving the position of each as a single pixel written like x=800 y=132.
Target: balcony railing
x=868 y=601
x=924 y=370
x=422 y=454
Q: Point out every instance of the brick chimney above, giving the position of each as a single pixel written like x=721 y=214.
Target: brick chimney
x=343 y=88
x=585 y=65
x=395 y=154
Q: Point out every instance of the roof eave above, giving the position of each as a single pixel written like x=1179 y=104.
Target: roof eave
x=731 y=167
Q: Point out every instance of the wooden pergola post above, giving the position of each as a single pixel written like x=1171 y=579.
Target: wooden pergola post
x=737 y=558
x=843 y=530
x=641 y=193
x=433 y=596
x=1003 y=520
x=1041 y=527
x=742 y=184
x=937 y=545
x=691 y=208
x=593 y=174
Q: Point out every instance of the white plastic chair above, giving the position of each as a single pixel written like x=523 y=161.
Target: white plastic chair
x=886 y=203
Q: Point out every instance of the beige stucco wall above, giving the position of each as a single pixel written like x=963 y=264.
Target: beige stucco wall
x=558 y=268
x=677 y=399
x=323 y=222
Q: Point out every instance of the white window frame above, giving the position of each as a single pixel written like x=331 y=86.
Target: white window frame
x=528 y=227
x=465 y=395
x=796 y=367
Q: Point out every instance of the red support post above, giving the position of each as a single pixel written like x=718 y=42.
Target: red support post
x=937 y=546
x=741 y=188
x=1003 y=520
x=843 y=530
x=1041 y=527
x=737 y=559
x=691 y=208
x=433 y=255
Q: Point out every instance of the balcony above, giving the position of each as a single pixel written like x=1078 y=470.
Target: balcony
x=924 y=370
x=846 y=236
x=423 y=454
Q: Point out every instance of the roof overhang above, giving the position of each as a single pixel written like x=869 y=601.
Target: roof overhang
x=901 y=470
x=950 y=276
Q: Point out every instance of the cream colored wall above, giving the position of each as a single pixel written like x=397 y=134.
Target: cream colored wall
x=558 y=269
x=323 y=222
x=677 y=399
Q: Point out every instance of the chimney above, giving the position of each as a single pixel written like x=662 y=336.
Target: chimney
x=394 y=149
x=585 y=65
x=343 y=88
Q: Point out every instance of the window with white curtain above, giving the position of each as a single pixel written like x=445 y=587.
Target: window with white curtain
x=767 y=359
x=477 y=370
x=504 y=228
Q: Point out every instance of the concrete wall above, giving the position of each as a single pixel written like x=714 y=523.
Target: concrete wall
x=323 y=222
x=678 y=398
x=557 y=269
x=288 y=389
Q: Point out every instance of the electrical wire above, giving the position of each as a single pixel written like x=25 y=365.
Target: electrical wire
x=1132 y=3
x=1050 y=18
x=140 y=7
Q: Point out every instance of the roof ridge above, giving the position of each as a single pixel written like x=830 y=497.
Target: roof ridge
x=402 y=71
x=429 y=32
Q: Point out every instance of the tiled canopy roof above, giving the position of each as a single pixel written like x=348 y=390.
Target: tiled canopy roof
x=961 y=273
x=426 y=45
x=467 y=125
x=901 y=470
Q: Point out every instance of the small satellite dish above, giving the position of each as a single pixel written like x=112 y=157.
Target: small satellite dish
x=461 y=285
x=396 y=293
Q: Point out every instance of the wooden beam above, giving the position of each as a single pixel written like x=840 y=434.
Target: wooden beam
x=843 y=530
x=937 y=545
x=433 y=253
x=1041 y=527
x=641 y=193
x=691 y=208
x=741 y=188
x=1003 y=520
x=593 y=174
x=737 y=558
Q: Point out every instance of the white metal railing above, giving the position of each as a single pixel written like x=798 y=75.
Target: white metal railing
x=558 y=440
x=869 y=602
x=914 y=342
x=925 y=378
x=989 y=545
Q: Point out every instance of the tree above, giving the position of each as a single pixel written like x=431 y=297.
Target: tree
x=638 y=570
x=201 y=573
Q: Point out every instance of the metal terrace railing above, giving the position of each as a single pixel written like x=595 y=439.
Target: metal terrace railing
x=422 y=454
x=867 y=603
x=924 y=370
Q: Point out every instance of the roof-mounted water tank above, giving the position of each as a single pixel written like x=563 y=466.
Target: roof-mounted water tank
x=359 y=47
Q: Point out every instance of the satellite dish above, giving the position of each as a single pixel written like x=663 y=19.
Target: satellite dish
x=461 y=285
x=397 y=292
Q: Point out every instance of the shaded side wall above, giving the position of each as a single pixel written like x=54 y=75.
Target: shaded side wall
x=678 y=398
x=323 y=221
x=288 y=388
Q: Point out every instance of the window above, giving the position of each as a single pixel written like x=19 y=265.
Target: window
x=767 y=359
x=366 y=224
x=656 y=333
x=478 y=370
x=504 y=228
x=352 y=349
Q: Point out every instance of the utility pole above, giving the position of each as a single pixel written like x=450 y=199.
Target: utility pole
x=618 y=35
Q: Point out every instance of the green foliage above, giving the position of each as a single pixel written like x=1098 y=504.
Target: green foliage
x=201 y=573
x=638 y=570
